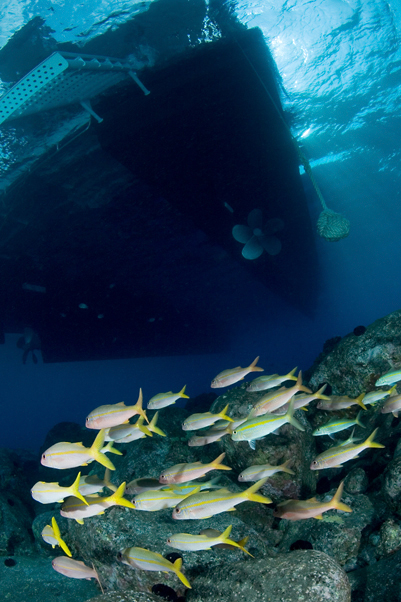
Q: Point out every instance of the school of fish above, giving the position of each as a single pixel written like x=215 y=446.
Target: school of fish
x=178 y=487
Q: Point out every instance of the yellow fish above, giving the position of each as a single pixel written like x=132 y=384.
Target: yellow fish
x=114 y=414
x=74 y=508
x=90 y=484
x=335 y=456
x=194 y=543
x=200 y=421
x=275 y=399
x=181 y=473
x=162 y=400
x=50 y=493
x=140 y=558
x=233 y=375
x=152 y=501
x=209 y=503
x=70 y=455
x=341 y=402
x=259 y=471
x=51 y=534
x=302 y=509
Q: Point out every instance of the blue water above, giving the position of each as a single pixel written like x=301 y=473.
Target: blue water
x=340 y=64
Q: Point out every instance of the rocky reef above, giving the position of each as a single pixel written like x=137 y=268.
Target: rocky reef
x=343 y=556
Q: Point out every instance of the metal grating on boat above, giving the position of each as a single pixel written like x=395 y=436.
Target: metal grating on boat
x=65 y=78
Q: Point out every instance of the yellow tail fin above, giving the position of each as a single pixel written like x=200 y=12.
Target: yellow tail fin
x=143 y=429
x=138 y=406
x=369 y=441
x=223 y=415
x=284 y=467
x=217 y=463
x=319 y=394
x=299 y=384
x=251 y=495
x=118 y=499
x=336 y=501
x=96 y=453
x=253 y=367
x=75 y=490
x=290 y=375
x=359 y=401
x=177 y=570
x=182 y=393
x=57 y=535
x=154 y=428
x=107 y=482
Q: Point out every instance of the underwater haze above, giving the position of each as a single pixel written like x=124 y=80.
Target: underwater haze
x=339 y=80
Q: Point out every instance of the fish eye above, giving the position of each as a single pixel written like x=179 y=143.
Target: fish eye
x=43 y=456
x=178 y=510
x=234 y=432
x=169 y=540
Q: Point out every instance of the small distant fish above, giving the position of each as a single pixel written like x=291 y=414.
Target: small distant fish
x=50 y=493
x=270 y=381
x=254 y=473
x=226 y=546
x=375 y=396
x=392 y=404
x=75 y=569
x=162 y=400
x=194 y=543
x=302 y=509
x=125 y=433
x=209 y=436
x=335 y=456
x=200 y=421
x=233 y=375
x=394 y=376
x=301 y=400
x=143 y=484
x=90 y=484
x=341 y=402
x=74 y=508
x=181 y=473
x=140 y=558
x=70 y=455
x=51 y=534
x=190 y=486
x=83 y=306
x=209 y=503
x=259 y=427
x=275 y=399
x=114 y=414
x=153 y=501
x=338 y=424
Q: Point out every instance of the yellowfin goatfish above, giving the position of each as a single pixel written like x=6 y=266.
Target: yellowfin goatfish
x=336 y=425
x=49 y=493
x=270 y=381
x=51 y=534
x=392 y=404
x=254 y=473
x=301 y=509
x=394 y=376
x=209 y=437
x=233 y=375
x=210 y=503
x=259 y=427
x=375 y=396
x=74 y=508
x=215 y=533
x=90 y=484
x=114 y=414
x=194 y=543
x=275 y=399
x=70 y=455
x=140 y=558
x=181 y=473
x=200 y=421
x=334 y=457
x=162 y=400
x=75 y=569
x=341 y=402
x=152 y=501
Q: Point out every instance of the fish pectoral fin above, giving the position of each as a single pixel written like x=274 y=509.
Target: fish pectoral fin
x=319 y=516
x=231 y=510
x=252 y=444
x=80 y=521
x=60 y=501
x=340 y=465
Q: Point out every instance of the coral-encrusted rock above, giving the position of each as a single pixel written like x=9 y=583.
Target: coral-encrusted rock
x=356 y=362
x=302 y=575
x=273 y=449
x=127 y=596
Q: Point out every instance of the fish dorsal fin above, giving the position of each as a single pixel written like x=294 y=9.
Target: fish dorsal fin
x=312 y=499
x=120 y=403
x=319 y=516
